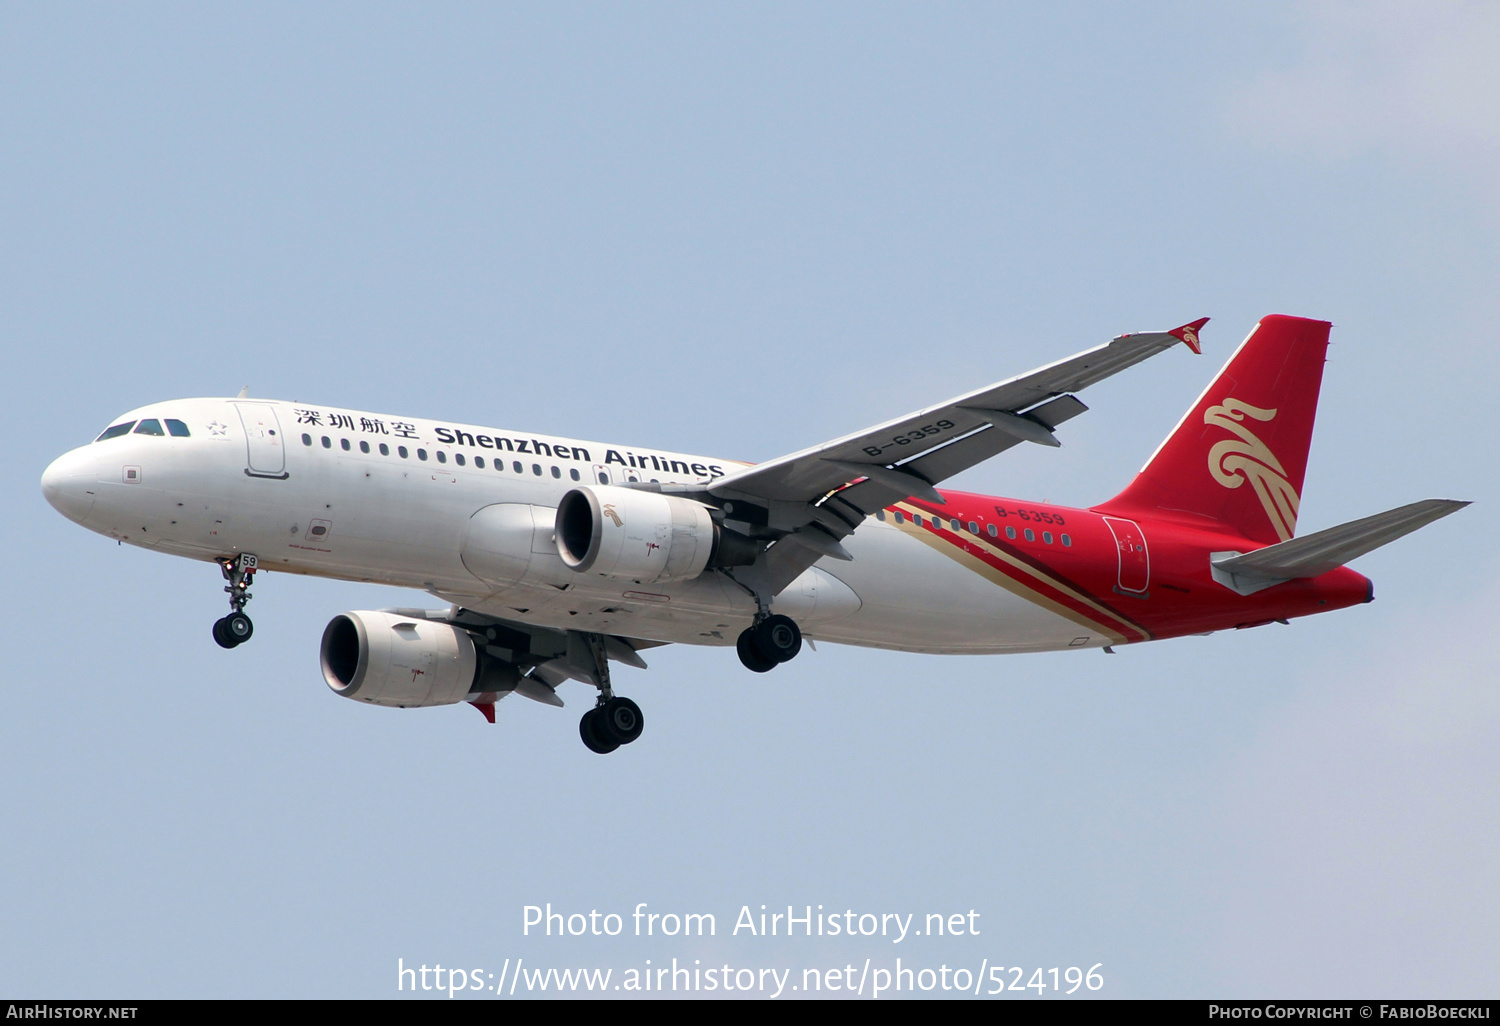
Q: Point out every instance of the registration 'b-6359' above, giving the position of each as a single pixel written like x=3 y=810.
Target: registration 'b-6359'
x=557 y=556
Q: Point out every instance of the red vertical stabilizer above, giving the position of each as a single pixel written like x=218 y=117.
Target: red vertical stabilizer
x=1240 y=454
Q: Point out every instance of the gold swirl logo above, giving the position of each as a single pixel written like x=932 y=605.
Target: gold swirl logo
x=609 y=511
x=1245 y=457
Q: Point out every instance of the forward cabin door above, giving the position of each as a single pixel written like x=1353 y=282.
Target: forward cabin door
x=1135 y=561
x=265 y=455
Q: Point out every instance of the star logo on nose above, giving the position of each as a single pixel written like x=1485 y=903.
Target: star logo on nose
x=215 y=428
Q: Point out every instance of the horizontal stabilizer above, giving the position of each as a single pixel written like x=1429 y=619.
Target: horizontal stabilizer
x=1316 y=554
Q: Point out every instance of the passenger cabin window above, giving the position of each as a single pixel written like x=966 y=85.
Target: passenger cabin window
x=364 y=446
x=116 y=431
x=1010 y=532
x=326 y=443
x=536 y=468
x=603 y=478
x=344 y=444
x=973 y=527
x=442 y=456
x=556 y=472
x=402 y=450
x=573 y=473
x=385 y=450
x=1067 y=542
x=955 y=525
x=1047 y=537
x=478 y=461
x=177 y=429
x=421 y=454
x=149 y=427
x=992 y=530
x=516 y=466
x=1030 y=535
x=306 y=439
x=458 y=458
x=900 y=517
x=880 y=515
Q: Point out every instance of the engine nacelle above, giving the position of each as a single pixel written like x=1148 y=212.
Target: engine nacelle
x=636 y=535
x=403 y=661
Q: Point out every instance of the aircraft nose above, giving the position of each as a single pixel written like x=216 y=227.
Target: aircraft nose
x=70 y=482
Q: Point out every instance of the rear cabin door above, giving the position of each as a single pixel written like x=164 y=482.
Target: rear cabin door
x=265 y=455
x=1135 y=561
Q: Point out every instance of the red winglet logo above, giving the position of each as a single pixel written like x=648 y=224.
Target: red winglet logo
x=1188 y=333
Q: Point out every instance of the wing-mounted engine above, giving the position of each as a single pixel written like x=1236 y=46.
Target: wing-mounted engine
x=643 y=536
x=395 y=658
x=416 y=657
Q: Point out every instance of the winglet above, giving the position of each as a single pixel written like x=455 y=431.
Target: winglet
x=488 y=708
x=1188 y=333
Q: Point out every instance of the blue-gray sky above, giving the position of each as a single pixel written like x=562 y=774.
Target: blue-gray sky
x=742 y=229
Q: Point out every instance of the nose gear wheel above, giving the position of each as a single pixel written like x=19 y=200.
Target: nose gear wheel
x=234 y=629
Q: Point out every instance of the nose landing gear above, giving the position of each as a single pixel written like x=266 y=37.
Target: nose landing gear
x=236 y=628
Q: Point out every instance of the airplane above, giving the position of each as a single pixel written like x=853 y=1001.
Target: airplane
x=558 y=556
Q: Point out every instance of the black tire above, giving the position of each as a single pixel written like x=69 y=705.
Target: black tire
x=238 y=627
x=588 y=730
x=619 y=720
x=220 y=637
x=750 y=655
x=778 y=638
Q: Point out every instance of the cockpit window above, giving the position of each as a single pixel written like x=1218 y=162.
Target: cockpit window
x=177 y=429
x=116 y=431
x=149 y=427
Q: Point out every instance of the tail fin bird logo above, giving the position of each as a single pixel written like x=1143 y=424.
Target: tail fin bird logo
x=1245 y=457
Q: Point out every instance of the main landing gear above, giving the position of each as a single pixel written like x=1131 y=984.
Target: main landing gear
x=770 y=641
x=236 y=628
x=614 y=720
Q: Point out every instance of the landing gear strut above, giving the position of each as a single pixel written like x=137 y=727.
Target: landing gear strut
x=614 y=720
x=236 y=628
x=770 y=641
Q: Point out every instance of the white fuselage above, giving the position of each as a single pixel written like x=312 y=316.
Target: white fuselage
x=309 y=490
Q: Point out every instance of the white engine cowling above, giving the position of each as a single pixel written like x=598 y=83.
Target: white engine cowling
x=395 y=660
x=636 y=535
